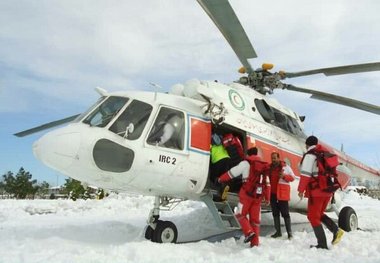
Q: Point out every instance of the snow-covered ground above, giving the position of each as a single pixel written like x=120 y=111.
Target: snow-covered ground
x=111 y=230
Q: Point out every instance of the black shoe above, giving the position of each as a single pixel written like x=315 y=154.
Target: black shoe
x=318 y=247
x=290 y=236
x=276 y=235
x=249 y=237
x=217 y=198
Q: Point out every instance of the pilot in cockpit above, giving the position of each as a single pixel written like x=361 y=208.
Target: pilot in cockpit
x=170 y=125
x=168 y=131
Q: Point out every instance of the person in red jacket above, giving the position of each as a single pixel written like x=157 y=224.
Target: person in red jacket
x=317 y=198
x=255 y=188
x=280 y=174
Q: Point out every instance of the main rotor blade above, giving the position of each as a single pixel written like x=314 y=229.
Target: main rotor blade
x=46 y=126
x=224 y=17
x=349 y=69
x=337 y=99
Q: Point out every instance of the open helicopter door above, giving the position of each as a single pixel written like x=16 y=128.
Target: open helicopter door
x=226 y=132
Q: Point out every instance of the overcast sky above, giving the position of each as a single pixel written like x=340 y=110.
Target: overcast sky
x=53 y=53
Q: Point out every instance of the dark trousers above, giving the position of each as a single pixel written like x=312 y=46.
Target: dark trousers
x=219 y=168
x=279 y=206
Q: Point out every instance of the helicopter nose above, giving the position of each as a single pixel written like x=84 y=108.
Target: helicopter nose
x=57 y=149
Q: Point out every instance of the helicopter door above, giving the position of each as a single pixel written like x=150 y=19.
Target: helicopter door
x=172 y=153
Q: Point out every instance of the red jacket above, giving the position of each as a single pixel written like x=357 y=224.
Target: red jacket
x=309 y=172
x=281 y=186
x=257 y=179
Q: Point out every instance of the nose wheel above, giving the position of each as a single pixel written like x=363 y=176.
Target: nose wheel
x=165 y=232
x=160 y=231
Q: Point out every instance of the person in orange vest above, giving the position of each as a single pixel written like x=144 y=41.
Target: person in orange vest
x=317 y=198
x=255 y=189
x=280 y=174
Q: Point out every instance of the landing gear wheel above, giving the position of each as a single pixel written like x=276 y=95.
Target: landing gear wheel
x=149 y=232
x=165 y=232
x=348 y=221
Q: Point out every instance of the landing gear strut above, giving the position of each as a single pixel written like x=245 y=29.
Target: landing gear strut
x=160 y=231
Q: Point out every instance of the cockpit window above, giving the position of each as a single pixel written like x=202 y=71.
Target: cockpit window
x=132 y=121
x=82 y=115
x=106 y=111
x=168 y=129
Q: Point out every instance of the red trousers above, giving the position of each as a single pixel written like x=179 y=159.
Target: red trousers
x=249 y=207
x=316 y=207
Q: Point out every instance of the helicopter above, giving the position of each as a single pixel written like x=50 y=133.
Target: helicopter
x=117 y=143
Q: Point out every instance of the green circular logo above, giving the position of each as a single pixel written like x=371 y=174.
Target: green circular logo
x=236 y=100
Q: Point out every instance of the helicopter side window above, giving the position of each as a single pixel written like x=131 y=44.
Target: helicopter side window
x=168 y=129
x=280 y=120
x=284 y=122
x=277 y=118
x=265 y=110
x=289 y=125
x=106 y=111
x=132 y=121
x=296 y=127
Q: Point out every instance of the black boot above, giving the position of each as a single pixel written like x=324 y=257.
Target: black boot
x=330 y=224
x=277 y=226
x=321 y=237
x=249 y=237
x=288 y=227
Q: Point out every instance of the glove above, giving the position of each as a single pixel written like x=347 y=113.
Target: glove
x=224 y=178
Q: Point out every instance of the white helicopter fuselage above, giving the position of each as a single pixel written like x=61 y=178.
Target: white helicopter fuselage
x=109 y=154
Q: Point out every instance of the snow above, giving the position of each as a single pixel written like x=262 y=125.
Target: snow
x=111 y=230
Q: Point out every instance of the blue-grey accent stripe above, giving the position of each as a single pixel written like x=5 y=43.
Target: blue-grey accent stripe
x=199 y=151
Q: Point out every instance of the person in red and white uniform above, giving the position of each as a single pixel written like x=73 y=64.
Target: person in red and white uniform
x=317 y=198
x=280 y=175
x=255 y=189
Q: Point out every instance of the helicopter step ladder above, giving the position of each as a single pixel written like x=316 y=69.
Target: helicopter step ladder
x=222 y=213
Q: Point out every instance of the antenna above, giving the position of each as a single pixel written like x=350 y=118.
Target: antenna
x=156 y=86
